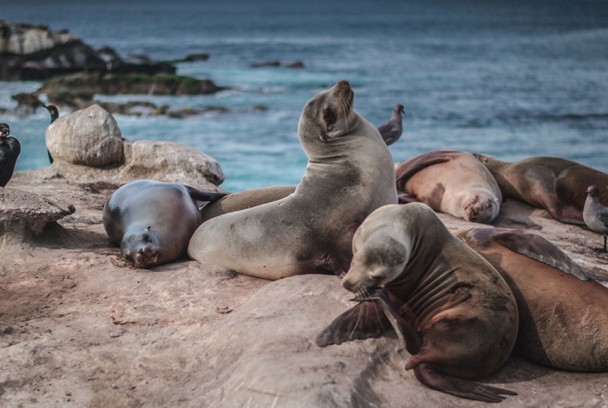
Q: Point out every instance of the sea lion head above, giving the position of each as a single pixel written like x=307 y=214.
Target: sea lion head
x=141 y=248
x=328 y=115
x=482 y=207
x=5 y=131
x=379 y=261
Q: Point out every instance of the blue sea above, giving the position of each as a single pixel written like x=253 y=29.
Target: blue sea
x=507 y=78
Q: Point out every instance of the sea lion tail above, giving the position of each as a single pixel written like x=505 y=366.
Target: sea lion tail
x=204 y=196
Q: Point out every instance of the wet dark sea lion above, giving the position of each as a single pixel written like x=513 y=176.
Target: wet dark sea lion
x=349 y=174
x=554 y=184
x=563 y=320
x=458 y=315
x=152 y=221
x=450 y=182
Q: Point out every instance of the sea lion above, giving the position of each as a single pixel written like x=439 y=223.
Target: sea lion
x=562 y=319
x=349 y=174
x=595 y=214
x=152 y=221
x=451 y=182
x=459 y=317
x=391 y=130
x=244 y=199
x=554 y=184
x=10 y=148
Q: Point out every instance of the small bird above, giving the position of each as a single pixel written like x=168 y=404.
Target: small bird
x=391 y=130
x=54 y=112
x=595 y=214
x=9 y=151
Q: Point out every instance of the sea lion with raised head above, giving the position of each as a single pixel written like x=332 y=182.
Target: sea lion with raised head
x=458 y=315
x=451 y=182
x=152 y=221
x=10 y=148
x=552 y=183
x=563 y=320
x=349 y=174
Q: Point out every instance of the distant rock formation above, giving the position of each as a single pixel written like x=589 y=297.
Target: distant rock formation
x=34 y=52
x=89 y=137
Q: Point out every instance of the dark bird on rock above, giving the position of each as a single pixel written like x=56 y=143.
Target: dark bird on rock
x=391 y=130
x=9 y=151
x=595 y=214
x=54 y=112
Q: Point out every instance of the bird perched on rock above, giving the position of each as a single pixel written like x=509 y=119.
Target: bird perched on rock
x=595 y=214
x=391 y=130
x=54 y=112
x=9 y=151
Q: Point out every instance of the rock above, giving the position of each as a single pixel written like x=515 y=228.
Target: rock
x=26 y=104
x=295 y=64
x=88 y=137
x=24 y=215
x=116 y=84
x=29 y=52
x=185 y=112
x=169 y=161
x=165 y=161
x=270 y=63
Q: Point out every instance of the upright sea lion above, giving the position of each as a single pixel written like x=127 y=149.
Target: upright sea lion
x=555 y=184
x=595 y=214
x=349 y=174
x=563 y=320
x=10 y=148
x=391 y=130
x=459 y=317
x=451 y=182
x=152 y=221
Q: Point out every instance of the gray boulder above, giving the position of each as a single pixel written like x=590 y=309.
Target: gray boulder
x=89 y=137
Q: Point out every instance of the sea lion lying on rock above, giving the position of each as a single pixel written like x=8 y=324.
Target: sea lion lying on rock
x=152 y=221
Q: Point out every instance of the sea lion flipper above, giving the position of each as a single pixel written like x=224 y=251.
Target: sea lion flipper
x=362 y=321
x=459 y=387
x=538 y=248
x=204 y=196
x=407 y=169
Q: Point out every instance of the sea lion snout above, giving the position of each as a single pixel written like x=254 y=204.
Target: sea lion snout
x=146 y=256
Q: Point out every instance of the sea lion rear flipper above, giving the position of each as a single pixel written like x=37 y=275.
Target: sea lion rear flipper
x=204 y=196
x=408 y=168
x=538 y=248
x=362 y=321
x=459 y=387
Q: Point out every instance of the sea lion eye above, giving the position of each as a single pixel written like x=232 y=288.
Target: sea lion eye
x=329 y=117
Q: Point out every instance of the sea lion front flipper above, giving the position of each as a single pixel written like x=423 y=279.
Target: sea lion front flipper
x=538 y=248
x=204 y=196
x=408 y=168
x=362 y=321
x=463 y=388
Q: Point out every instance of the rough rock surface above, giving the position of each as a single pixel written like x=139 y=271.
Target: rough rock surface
x=89 y=137
x=79 y=327
x=21 y=38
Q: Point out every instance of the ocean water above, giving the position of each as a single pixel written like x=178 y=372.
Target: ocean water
x=511 y=79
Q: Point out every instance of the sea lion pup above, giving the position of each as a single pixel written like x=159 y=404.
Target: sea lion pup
x=152 y=221
x=451 y=182
x=459 y=317
x=391 y=130
x=349 y=174
x=554 y=184
x=563 y=320
x=10 y=148
x=595 y=214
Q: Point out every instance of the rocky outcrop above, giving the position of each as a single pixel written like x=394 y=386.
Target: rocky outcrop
x=34 y=52
x=88 y=137
x=116 y=84
x=24 y=215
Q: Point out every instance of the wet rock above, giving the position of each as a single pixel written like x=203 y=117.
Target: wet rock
x=26 y=104
x=117 y=84
x=295 y=64
x=89 y=137
x=270 y=63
